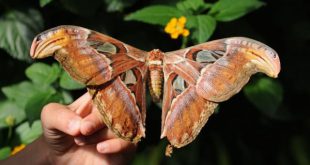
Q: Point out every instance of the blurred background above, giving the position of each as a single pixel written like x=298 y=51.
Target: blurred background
x=268 y=122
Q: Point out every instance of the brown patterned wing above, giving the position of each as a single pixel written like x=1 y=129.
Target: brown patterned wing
x=184 y=112
x=199 y=77
x=89 y=57
x=242 y=58
x=122 y=104
x=113 y=72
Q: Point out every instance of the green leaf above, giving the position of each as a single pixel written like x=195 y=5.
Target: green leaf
x=28 y=134
x=265 y=93
x=38 y=101
x=5 y=152
x=67 y=82
x=45 y=2
x=66 y=97
x=9 y=109
x=192 y=6
x=43 y=74
x=228 y=10
x=21 y=92
x=157 y=14
x=206 y=6
x=203 y=27
x=118 y=5
x=17 y=29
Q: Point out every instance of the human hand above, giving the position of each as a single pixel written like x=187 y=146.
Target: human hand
x=75 y=134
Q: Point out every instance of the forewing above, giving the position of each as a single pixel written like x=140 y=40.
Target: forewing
x=89 y=57
x=223 y=66
x=243 y=57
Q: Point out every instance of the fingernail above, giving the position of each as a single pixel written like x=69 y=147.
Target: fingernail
x=88 y=127
x=103 y=147
x=74 y=125
x=79 y=140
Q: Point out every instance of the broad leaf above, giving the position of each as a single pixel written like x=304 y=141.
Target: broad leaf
x=17 y=29
x=203 y=27
x=5 y=152
x=67 y=82
x=38 y=101
x=157 y=15
x=66 y=97
x=228 y=10
x=192 y=6
x=28 y=134
x=206 y=6
x=21 y=92
x=10 y=110
x=45 y=2
x=266 y=94
x=43 y=74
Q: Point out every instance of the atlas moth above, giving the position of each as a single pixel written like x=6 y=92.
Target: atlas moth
x=190 y=82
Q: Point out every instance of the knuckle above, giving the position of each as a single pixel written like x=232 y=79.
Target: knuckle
x=46 y=110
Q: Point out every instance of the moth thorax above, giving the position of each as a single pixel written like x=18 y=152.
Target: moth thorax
x=155 y=61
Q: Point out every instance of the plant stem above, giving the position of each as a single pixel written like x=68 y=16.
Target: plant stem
x=10 y=132
x=184 y=42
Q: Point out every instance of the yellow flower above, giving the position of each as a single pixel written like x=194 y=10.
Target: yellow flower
x=176 y=27
x=185 y=33
x=18 y=148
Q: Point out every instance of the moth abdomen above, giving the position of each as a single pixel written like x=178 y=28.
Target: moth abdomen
x=156 y=84
x=156 y=75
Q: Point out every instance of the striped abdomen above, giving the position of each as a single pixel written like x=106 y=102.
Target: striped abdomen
x=155 y=82
x=156 y=75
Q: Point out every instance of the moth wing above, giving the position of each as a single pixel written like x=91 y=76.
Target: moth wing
x=184 y=111
x=113 y=72
x=88 y=56
x=204 y=75
x=121 y=103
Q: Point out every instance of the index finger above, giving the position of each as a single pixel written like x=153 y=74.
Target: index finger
x=83 y=105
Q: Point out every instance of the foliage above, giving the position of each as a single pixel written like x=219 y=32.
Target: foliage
x=45 y=2
x=21 y=109
x=201 y=16
x=224 y=10
x=249 y=129
x=266 y=94
x=17 y=29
